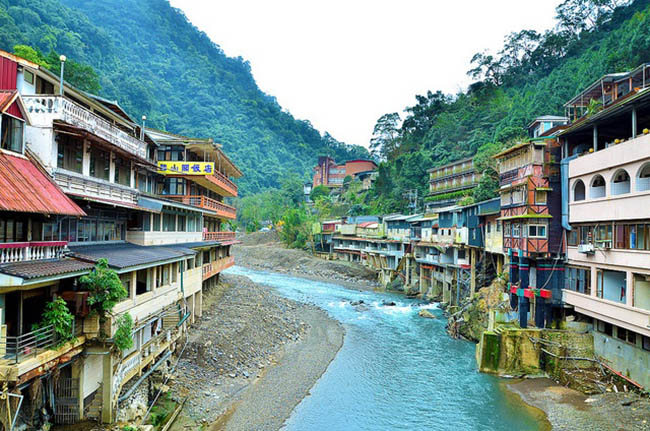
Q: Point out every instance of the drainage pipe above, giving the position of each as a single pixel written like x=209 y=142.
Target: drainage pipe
x=144 y=376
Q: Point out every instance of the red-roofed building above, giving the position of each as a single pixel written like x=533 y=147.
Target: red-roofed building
x=331 y=174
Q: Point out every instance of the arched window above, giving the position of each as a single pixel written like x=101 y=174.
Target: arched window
x=643 y=179
x=579 y=191
x=620 y=182
x=597 y=188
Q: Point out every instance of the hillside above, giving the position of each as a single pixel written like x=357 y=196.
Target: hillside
x=533 y=74
x=152 y=60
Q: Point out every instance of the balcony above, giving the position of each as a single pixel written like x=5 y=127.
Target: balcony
x=45 y=109
x=632 y=318
x=215 y=267
x=34 y=250
x=218 y=236
x=81 y=185
x=223 y=182
x=222 y=210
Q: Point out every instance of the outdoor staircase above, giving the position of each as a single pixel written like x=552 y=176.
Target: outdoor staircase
x=94 y=410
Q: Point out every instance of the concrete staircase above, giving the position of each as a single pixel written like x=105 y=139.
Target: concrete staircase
x=94 y=409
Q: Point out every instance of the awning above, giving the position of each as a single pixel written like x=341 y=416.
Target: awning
x=26 y=188
x=114 y=203
x=123 y=255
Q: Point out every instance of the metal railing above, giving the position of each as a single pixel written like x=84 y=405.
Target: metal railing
x=15 y=349
x=43 y=109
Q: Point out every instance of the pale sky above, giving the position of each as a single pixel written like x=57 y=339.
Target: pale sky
x=342 y=64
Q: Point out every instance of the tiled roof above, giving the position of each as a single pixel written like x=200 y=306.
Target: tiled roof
x=124 y=255
x=25 y=188
x=44 y=268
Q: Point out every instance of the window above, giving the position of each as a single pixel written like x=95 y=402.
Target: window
x=633 y=236
x=518 y=196
x=99 y=164
x=506 y=229
x=169 y=222
x=174 y=186
x=605 y=328
x=597 y=188
x=28 y=77
x=620 y=182
x=191 y=224
x=69 y=153
x=578 y=279
x=181 y=223
x=156 y=222
x=643 y=180
x=540 y=197
x=174 y=267
x=625 y=335
x=586 y=234
x=190 y=263
x=646 y=343
x=572 y=237
x=536 y=231
x=516 y=230
x=122 y=171
x=603 y=235
x=11 y=137
x=12 y=230
x=498 y=225
x=579 y=191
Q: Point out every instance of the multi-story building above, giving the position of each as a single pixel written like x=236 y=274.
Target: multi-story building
x=331 y=174
x=607 y=190
x=83 y=182
x=449 y=183
x=544 y=125
x=529 y=178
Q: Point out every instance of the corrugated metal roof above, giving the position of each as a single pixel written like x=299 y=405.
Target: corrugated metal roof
x=124 y=255
x=45 y=268
x=25 y=188
x=6 y=97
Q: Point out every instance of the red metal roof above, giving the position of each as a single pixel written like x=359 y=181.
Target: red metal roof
x=9 y=100
x=25 y=188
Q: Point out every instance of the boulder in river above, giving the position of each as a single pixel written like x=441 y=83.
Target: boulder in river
x=388 y=303
x=355 y=303
x=426 y=314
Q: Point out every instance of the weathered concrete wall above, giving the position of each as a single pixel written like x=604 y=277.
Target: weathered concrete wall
x=630 y=360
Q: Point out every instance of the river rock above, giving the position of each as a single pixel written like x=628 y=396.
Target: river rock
x=426 y=314
x=388 y=303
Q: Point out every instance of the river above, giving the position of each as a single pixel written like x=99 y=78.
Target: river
x=396 y=370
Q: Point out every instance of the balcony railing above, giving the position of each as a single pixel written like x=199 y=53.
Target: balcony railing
x=44 y=109
x=21 y=347
x=34 y=250
x=218 y=236
x=212 y=268
x=207 y=203
x=224 y=182
x=78 y=184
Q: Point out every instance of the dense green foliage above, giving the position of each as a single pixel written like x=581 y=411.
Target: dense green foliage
x=534 y=74
x=151 y=59
x=123 y=337
x=57 y=315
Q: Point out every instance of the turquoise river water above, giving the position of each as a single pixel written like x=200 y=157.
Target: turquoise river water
x=396 y=370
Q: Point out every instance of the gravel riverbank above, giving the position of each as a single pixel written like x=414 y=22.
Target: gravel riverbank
x=239 y=369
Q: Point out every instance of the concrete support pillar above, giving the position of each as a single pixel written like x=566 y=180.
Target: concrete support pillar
x=77 y=373
x=524 y=305
x=154 y=277
x=524 y=269
x=499 y=264
x=472 y=263
x=199 y=304
x=594 y=281
x=634 y=126
x=85 y=160
x=595 y=138
x=107 y=389
x=629 y=288
x=134 y=282
x=111 y=167
x=540 y=312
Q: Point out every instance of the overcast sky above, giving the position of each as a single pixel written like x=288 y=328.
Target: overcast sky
x=341 y=64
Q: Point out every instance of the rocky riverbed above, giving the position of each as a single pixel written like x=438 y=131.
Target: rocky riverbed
x=264 y=251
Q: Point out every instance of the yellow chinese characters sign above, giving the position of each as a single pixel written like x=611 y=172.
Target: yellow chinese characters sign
x=185 y=168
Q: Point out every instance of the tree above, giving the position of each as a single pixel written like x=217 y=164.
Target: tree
x=318 y=192
x=385 y=136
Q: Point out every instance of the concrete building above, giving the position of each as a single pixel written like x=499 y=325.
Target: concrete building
x=82 y=182
x=607 y=191
x=331 y=174
x=450 y=182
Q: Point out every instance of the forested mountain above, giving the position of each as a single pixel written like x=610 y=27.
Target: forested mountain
x=151 y=59
x=533 y=74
